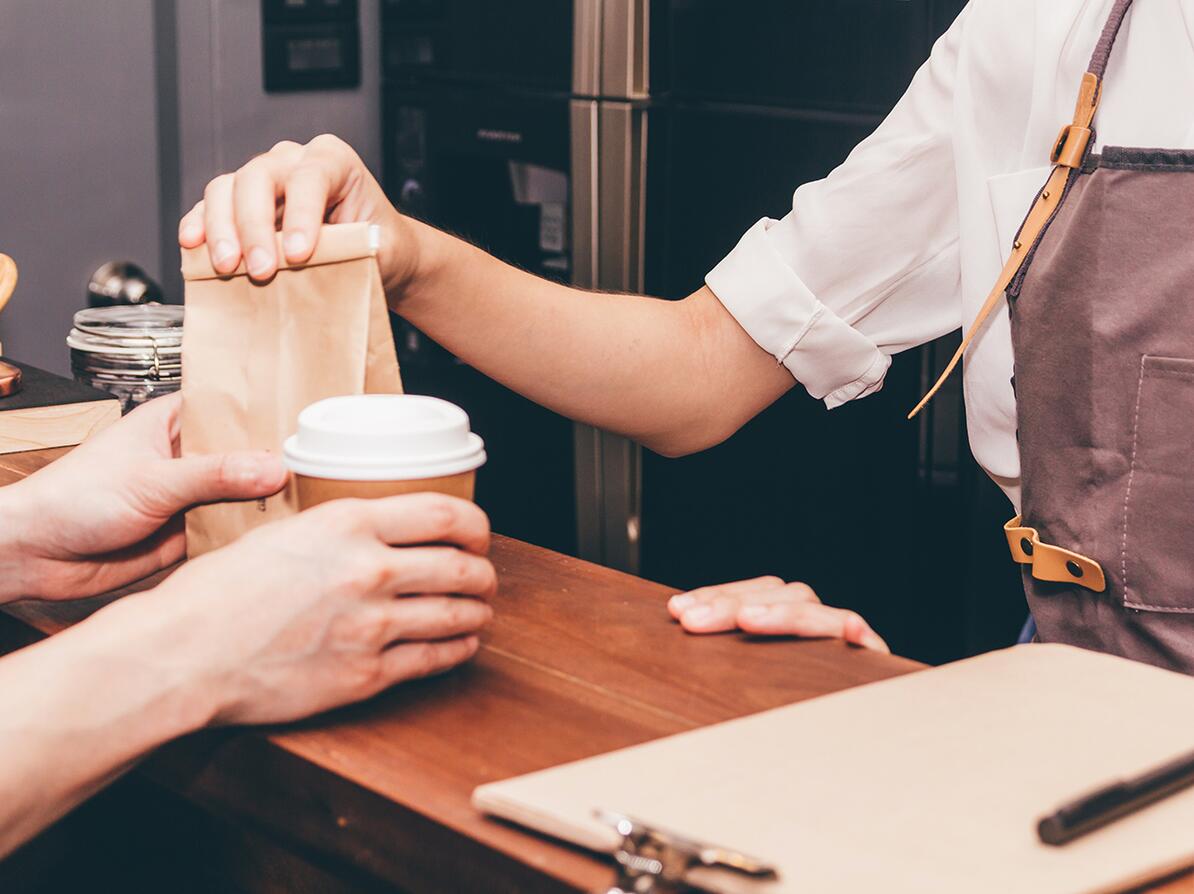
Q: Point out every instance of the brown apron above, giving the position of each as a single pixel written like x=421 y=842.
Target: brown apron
x=1101 y=293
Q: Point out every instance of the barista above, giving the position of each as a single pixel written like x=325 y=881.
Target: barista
x=295 y=618
x=898 y=246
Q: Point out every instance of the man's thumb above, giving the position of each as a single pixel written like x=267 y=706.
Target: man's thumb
x=209 y=478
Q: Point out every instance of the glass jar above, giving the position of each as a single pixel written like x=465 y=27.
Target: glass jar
x=133 y=352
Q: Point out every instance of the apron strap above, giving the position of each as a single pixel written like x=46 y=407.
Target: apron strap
x=1069 y=152
x=1102 y=52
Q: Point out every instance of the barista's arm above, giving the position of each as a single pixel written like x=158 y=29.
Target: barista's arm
x=676 y=376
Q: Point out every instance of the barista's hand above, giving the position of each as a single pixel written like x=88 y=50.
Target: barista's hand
x=106 y=514
x=296 y=189
x=767 y=606
x=322 y=609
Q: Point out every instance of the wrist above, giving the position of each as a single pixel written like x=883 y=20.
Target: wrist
x=164 y=647
x=15 y=522
x=417 y=255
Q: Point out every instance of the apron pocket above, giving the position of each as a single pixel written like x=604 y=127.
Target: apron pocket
x=1157 y=552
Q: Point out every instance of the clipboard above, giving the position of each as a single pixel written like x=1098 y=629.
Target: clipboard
x=930 y=782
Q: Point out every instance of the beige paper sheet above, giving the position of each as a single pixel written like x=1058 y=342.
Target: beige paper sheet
x=931 y=782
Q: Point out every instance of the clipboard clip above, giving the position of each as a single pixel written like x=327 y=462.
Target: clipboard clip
x=651 y=860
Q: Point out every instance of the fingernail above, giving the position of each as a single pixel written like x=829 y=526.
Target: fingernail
x=190 y=231
x=259 y=261
x=255 y=470
x=245 y=471
x=872 y=641
x=756 y=613
x=295 y=244
x=682 y=602
x=224 y=252
x=698 y=615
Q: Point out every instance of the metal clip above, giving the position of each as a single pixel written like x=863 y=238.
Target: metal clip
x=652 y=860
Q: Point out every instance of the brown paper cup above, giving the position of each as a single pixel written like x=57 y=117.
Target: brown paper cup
x=313 y=491
x=381 y=445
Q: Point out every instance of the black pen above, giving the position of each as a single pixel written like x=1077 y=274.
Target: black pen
x=1119 y=799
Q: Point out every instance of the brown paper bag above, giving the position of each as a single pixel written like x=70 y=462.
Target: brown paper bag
x=253 y=356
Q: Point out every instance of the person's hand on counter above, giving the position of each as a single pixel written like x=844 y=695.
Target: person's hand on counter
x=108 y=513
x=320 y=610
x=768 y=606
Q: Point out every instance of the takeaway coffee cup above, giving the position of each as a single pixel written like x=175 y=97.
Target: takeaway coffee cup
x=379 y=445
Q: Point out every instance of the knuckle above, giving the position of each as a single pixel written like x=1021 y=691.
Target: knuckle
x=343 y=515
x=488 y=576
x=254 y=165
x=802 y=592
x=364 y=576
x=328 y=141
x=223 y=473
x=310 y=180
x=284 y=146
x=215 y=186
x=770 y=580
x=424 y=658
x=442 y=516
x=457 y=615
x=367 y=674
x=460 y=572
x=353 y=629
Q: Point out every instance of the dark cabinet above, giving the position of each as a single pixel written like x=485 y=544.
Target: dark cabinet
x=828 y=54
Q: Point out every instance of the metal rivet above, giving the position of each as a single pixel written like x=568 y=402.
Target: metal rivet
x=1018 y=245
x=1074 y=568
x=1026 y=545
x=1045 y=194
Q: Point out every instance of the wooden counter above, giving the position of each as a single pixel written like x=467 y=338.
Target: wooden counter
x=580 y=660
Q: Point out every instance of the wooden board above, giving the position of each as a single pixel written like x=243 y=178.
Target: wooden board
x=52 y=411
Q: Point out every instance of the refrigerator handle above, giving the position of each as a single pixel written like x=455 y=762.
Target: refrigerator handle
x=584 y=185
x=586 y=47
x=625 y=48
x=587 y=441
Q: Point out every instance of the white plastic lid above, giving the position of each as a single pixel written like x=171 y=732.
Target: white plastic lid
x=383 y=437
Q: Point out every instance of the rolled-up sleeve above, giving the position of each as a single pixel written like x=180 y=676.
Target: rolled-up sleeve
x=867 y=262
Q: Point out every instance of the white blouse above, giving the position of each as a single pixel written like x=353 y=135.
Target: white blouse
x=903 y=242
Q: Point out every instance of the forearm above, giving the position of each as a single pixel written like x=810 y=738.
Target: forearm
x=81 y=707
x=666 y=373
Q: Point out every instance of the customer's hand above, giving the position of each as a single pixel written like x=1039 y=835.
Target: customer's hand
x=767 y=606
x=327 y=607
x=107 y=513
x=296 y=188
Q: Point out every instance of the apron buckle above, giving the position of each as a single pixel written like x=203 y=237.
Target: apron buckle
x=1052 y=563
x=1070 y=148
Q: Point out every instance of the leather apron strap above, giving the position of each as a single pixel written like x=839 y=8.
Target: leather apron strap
x=1069 y=151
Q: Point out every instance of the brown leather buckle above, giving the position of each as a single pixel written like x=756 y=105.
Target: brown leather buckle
x=1052 y=563
x=1070 y=148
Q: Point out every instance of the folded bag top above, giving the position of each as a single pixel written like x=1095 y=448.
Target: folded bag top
x=337 y=243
